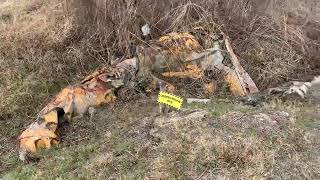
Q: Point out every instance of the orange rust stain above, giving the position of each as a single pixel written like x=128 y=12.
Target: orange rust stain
x=192 y=71
x=178 y=43
x=210 y=88
x=79 y=91
x=36 y=137
x=234 y=84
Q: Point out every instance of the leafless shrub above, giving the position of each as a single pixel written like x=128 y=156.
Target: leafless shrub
x=272 y=48
x=61 y=41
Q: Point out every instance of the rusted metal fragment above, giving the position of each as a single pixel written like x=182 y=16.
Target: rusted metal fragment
x=40 y=134
x=192 y=71
x=177 y=43
x=95 y=90
x=179 y=55
x=176 y=55
x=196 y=100
x=210 y=88
x=247 y=84
x=234 y=84
x=232 y=79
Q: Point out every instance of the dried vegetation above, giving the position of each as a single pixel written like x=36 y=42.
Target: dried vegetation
x=45 y=45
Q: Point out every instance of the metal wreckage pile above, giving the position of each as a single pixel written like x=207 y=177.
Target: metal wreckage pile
x=176 y=55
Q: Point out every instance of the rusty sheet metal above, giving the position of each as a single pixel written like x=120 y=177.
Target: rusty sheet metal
x=95 y=90
x=176 y=55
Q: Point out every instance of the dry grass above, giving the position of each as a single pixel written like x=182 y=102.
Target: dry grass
x=59 y=41
x=46 y=45
x=218 y=140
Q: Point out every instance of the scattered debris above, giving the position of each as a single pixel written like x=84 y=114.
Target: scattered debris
x=301 y=88
x=247 y=84
x=293 y=91
x=176 y=55
x=145 y=30
x=95 y=90
x=193 y=100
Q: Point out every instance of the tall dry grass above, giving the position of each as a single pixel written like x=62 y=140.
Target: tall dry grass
x=272 y=45
x=46 y=45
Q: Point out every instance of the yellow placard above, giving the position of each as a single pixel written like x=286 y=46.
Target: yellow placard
x=170 y=99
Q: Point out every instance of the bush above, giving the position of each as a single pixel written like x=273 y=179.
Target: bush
x=47 y=44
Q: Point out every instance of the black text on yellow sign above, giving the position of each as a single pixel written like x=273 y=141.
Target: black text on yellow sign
x=170 y=99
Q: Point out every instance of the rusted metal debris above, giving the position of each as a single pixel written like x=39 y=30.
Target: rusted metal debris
x=176 y=55
x=197 y=100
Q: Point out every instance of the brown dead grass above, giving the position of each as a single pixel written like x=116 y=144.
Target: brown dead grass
x=46 y=42
x=216 y=140
x=274 y=43
x=46 y=45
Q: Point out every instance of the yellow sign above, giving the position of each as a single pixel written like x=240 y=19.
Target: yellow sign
x=170 y=99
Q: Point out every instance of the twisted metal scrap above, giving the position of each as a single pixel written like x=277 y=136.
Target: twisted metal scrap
x=176 y=55
x=95 y=90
